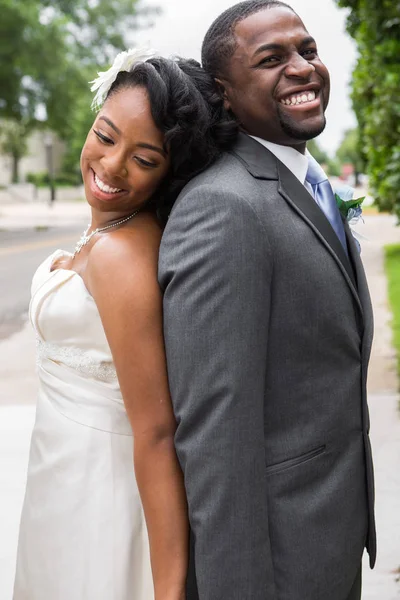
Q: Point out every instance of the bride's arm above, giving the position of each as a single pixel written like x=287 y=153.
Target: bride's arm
x=122 y=278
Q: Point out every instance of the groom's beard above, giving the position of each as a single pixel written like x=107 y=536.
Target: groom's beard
x=299 y=131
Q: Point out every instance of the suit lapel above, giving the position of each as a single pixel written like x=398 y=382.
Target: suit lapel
x=262 y=164
x=299 y=198
x=363 y=292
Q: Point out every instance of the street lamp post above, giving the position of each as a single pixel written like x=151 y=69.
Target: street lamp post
x=48 y=142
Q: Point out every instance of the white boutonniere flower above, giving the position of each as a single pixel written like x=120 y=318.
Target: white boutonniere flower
x=350 y=208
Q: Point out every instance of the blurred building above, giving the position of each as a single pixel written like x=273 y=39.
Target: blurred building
x=36 y=159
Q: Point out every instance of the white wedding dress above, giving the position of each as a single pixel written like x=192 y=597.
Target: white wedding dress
x=83 y=534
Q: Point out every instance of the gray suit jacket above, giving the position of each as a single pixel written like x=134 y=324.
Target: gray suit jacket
x=268 y=330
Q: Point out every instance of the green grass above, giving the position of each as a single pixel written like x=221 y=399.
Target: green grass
x=392 y=264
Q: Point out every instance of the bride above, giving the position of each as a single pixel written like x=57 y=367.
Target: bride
x=105 y=518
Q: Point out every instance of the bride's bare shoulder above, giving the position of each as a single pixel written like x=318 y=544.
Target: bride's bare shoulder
x=127 y=256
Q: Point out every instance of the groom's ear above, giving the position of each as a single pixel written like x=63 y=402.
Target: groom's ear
x=222 y=90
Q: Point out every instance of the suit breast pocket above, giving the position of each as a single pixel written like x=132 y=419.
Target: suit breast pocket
x=295 y=461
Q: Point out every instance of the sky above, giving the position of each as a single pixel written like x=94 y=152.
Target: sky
x=183 y=23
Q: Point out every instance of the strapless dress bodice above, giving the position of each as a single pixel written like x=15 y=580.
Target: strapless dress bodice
x=72 y=350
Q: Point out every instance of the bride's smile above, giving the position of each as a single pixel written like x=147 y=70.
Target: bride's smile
x=123 y=160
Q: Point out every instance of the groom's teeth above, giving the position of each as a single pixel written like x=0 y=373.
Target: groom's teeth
x=300 y=99
x=104 y=187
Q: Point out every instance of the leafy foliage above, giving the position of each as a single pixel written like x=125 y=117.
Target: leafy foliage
x=375 y=25
x=50 y=49
x=331 y=166
x=392 y=264
x=350 y=151
x=317 y=152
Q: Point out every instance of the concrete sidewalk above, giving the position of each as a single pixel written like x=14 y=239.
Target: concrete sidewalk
x=383 y=386
x=18 y=389
x=18 y=392
x=39 y=214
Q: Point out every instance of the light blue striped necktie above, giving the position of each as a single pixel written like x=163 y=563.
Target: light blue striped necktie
x=324 y=197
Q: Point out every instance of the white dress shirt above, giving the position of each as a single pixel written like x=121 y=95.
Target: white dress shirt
x=296 y=162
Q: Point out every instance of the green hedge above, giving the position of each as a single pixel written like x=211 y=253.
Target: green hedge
x=41 y=179
x=375 y=26
x=392 y=264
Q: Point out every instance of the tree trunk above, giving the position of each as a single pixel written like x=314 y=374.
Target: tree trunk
x=15 y=168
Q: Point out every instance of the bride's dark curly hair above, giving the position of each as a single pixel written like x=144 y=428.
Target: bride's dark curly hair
x=187 y=107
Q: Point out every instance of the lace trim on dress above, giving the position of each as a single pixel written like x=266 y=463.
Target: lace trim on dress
x=77 y=359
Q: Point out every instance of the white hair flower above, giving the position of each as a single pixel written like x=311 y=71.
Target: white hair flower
x=124 y=61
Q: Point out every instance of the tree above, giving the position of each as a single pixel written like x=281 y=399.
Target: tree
x=375 y=25
x=349 y=152
x=49 y=49
x=13 y=143
x=331 y=166
x=320 y=155
x=79 y=126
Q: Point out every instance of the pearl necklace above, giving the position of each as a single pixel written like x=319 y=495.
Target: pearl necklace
x=85 y=239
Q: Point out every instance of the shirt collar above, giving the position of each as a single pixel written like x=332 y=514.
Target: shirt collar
x=296 y=162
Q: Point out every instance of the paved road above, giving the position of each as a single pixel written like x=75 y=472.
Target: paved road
x=21 y=251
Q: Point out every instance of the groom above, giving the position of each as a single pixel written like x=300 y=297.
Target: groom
x=268 y=330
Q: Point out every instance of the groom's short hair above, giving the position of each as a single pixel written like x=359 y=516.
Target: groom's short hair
x=219 y=43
